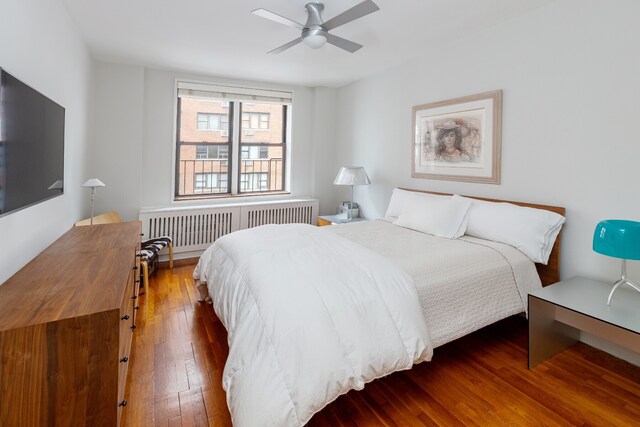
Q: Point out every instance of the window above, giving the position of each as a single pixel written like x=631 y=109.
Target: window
x=213 y=121
x=247 y=152
x=252 y=182
x=212 y=152
x=211 y=182
x=254 y=152
x=255 y=120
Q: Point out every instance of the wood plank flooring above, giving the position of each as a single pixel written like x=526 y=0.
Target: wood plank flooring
x=180 y=348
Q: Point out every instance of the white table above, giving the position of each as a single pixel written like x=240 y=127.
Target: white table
x=557 y=314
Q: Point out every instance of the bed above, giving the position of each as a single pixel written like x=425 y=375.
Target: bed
x=312 y=312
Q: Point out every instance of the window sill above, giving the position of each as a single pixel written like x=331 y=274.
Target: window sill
x=222 y=202
x=231 y=198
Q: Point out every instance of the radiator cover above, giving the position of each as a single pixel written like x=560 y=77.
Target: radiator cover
x=193 y=229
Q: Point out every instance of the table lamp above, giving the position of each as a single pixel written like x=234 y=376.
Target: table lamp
x=619 y=239
x=351 y=175
x=93 y=183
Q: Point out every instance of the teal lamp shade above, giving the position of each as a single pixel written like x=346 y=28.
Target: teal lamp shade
x=618 y=238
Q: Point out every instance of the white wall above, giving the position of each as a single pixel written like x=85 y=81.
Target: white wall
x=324 y=136
x=115 y=151
x=134 y=134
x=569 y=75
x=40 y=46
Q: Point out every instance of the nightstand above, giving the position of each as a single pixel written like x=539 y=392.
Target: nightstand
x=558 y=313
x=336 y=219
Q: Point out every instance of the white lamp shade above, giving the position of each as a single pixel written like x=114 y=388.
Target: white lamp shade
x=352 y=175
x=315 y=41
x=94 y=182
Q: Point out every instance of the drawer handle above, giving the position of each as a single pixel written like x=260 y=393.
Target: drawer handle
x=123 y=403
x=138 y=281
x=134 y=297
x=135 y=268
x=124 y=359
x=125 y=317
x=137 y=307
x=133 y=327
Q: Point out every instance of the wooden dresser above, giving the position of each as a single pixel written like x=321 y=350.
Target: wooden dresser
x=66 y=323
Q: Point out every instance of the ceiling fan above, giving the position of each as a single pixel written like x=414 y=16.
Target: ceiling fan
x=315 y=33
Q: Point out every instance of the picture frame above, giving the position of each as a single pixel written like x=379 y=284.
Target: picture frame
x=458 y=139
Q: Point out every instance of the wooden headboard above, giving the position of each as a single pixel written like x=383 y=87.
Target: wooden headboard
x=549 y=273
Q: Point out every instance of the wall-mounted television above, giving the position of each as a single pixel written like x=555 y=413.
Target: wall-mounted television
x=31 y=146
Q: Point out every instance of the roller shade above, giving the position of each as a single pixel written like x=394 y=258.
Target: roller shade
x=232 y=93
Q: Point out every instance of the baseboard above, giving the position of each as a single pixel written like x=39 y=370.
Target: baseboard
x=179 y=262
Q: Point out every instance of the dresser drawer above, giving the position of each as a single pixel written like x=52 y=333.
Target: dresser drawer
x=135 y=289
x=122 y=379
x=127 y=317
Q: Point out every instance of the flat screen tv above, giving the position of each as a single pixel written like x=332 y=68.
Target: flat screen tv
x=31 y=146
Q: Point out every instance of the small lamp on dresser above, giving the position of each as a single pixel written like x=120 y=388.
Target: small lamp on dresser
x=619 y=239
x=93 y=183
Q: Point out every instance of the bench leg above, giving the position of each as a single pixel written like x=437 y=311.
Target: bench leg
x=171 y=256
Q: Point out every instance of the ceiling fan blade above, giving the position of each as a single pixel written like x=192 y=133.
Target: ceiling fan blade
x=343 y=43
x=356 y=12
x=286 y=46
x=264 y=13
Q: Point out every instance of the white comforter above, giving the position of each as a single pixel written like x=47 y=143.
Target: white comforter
x=310 y=315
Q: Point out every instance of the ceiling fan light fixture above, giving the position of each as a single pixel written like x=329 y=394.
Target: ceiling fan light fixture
x=315 y=32
x=315 y=41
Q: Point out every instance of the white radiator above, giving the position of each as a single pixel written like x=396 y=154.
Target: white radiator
x=193 y=229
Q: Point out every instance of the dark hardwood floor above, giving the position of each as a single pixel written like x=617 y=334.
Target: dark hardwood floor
x=180 y=348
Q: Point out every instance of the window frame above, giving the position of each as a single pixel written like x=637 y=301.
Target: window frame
x=250 y=162
x=250 y=95
x=176 y=158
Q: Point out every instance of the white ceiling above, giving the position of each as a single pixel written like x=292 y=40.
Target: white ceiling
x=223 y=38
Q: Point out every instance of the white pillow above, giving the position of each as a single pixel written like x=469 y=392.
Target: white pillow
x=398 y=199
x=442 y=216
x=532 y=231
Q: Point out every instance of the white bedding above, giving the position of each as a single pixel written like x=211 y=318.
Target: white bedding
x=309 y=315
x=463 y=284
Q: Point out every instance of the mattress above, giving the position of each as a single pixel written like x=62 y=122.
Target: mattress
x=463 y=284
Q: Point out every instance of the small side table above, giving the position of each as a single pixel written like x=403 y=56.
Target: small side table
x=336 y=219
x=558 y=313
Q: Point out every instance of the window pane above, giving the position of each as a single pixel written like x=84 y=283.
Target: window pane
x=202 y=121
x=262 y=123
x=210 y=182
x=261 y=168
x=252 y=182
x=214 y=121
x=201 y=152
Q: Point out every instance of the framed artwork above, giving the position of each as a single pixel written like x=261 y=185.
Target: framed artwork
x=458 y=139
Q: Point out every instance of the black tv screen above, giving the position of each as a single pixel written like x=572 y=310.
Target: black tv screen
x=31 y=146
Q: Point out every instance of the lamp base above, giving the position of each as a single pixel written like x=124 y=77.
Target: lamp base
x=619 y=283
